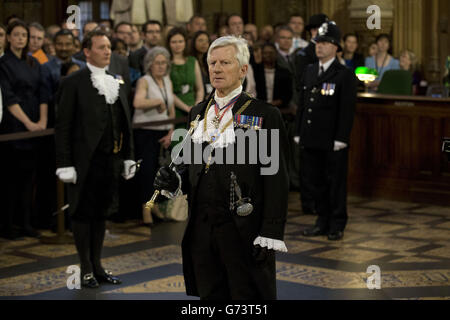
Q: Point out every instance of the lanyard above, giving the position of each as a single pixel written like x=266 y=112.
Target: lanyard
x=163 y=94
x=228 y=106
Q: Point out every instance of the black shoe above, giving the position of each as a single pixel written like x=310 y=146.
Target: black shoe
x=89 y=281
x=108 y=277
x=334 y=236
x=314 y=232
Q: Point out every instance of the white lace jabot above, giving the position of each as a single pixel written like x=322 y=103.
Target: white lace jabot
x=105 y=84
x=227 y=137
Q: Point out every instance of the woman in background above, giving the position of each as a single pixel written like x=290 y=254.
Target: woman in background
x=408 y=63
x=199 y=49
x=154 y=101
x=185 y=75
x=382 y=61
x=25 y=103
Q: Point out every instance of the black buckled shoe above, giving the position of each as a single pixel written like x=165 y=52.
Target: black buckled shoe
x=314 y=232
x=89 y=281
x=108 y=277
x=334 y=236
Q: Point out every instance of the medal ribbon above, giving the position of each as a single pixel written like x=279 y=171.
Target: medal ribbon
x=228 y=106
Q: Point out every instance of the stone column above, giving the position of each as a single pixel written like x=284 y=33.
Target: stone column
x=408 y=27
x=432 y=67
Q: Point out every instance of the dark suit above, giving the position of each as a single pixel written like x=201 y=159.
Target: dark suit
x=286 y=62
x=81 y=120
x=136 y=59
x=282 y=86
x=322 y=120
x=217 y=248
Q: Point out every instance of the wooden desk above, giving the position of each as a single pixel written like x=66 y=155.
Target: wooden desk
x=396 y=148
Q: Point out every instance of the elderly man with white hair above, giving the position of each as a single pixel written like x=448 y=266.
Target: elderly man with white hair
x=237 y=210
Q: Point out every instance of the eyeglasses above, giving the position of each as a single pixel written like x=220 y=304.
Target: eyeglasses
x=160 y=63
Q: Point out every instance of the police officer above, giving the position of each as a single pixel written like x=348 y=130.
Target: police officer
x=302 y=58
x=324 y=122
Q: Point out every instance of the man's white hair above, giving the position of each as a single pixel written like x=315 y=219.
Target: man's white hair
x=242 y=52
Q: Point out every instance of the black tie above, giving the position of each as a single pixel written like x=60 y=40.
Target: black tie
x=321 y=71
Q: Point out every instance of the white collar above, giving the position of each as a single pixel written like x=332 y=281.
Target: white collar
x=221 y=102
x=327 y=64
x=96 y=70
x=106 y=85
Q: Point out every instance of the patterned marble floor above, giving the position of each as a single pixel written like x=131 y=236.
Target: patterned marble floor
x=409 y=242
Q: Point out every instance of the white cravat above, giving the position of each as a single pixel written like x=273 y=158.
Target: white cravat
x=105 y=84
x=228 y=136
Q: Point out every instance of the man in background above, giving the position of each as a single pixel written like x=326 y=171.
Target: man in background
x=151 y=33
x=297 y=24
x=37 y=33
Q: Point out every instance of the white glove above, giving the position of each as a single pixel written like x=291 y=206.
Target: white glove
x=339 y=145
x=274 y=244
x=129 y=169
x=297 y=139
x=67 y=174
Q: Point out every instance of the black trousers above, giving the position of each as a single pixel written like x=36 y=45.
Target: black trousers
x=221 y=265
x=89 y=236
x=326 y=172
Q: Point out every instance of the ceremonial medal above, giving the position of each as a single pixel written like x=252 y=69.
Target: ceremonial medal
x=246 y=122
x=216 y=122
x=332 y=87
x=324 y=85
x=119 y=78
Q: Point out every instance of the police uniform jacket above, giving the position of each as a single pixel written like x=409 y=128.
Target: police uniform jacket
x=326 y=115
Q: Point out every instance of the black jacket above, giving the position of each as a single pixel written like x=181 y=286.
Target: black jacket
x=80 y=123
x=282 y=85
x=136 y=59
x=117 y=66
x=268 y=193
x=323 y=119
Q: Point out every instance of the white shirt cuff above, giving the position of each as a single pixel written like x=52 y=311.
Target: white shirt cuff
x=274 y=244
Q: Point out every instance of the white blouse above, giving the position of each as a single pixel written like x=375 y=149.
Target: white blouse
x=155 y=92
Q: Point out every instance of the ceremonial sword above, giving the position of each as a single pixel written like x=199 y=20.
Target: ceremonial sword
x=149 y=205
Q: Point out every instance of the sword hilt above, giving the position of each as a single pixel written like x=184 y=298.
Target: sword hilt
x=149 y=205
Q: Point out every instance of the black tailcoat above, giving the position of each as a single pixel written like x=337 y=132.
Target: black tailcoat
x=268 y=193
x=81 y=119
